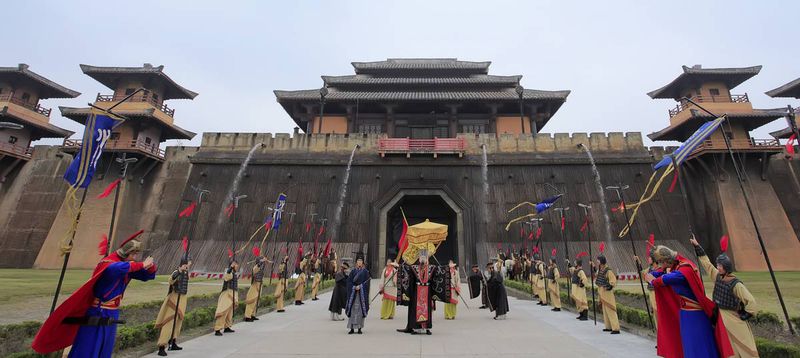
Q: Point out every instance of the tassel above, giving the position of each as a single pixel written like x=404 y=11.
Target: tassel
x=582 y=254
x=229 y=210
x=674 y=182
x=499 y=246
x=102 y=247
x=327 y=248
x=585 y=225
x=109 y=189
x=723 y=243
x=308 y=227
x=256 y=251
x=530 y=236
x=230 y=253
x=618 y=208
x=521 y=231
x=790 y=145
x=602 y=247
x=652 y=240
x=538 y=232
x=563 y=223
x=185 y=213
x=553 y=253
x=185 y=243
x=536 y=249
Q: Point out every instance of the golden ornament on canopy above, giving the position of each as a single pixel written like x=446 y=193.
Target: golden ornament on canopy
x=426 y=235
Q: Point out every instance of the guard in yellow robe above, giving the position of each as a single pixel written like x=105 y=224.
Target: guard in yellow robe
x=450 y=308
x=736 y=303
x=317 y=274
x=228 y=300
x=605 y=281
x=280 y=286
x=578 y=293
x=169 y=319
x=388 y=290
x=254 y=293
x=541 y=280
x=552 y=285
x=300 y=284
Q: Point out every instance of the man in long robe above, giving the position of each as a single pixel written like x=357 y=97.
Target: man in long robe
x=450 y=308
x=357 y=296
x=552 y=285
x=606 y=280
x=388 y=290
x=418 y=286
x=477 y=286
x=578 y=292
x=736 y=304
x=689 y=323
x=282 y=284
x=88 y=318
x=339 y=296
x=170 y=316
x=498 y=297
x=316 y=273
x=228 y=300
x=254 y=292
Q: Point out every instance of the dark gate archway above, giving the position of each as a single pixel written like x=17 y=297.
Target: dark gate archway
x=417 y=209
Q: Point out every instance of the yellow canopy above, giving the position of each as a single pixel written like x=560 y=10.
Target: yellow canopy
x=425 y=235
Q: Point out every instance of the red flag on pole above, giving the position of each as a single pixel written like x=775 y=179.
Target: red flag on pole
x=538 y=232
x=256 y=251
x=790 y=145
x=723 y=243
x=536 y=249
x=102 y=247
x=602 y=247
x=109 y=189
x=530 y=236
x=187 y=212
x=585 y=224
x=327 y=248
x=402 y=244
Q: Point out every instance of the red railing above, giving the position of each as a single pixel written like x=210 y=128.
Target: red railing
x=409 y=146
x=32 y=106
x=146 y=97
x=16 y=150
x=734 y=98
x=123 y=145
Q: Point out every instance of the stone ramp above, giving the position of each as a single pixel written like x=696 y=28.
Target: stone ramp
x=529 y=331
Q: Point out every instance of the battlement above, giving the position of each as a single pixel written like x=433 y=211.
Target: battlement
x=504 y=143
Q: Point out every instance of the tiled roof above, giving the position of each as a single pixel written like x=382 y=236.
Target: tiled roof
x=371 y=80
x=782 y=134
x=683 y=130
x=48 y=89
x=693 y=76
x=791 y=89
x=171 y=131
x=108 y=76
x=421 y=64
x=528 y=94
x=38 y=129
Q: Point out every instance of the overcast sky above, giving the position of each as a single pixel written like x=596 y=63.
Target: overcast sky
x=234 y=53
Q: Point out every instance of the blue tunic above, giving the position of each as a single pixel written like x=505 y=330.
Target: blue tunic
x=98 y=341
x=697 y=335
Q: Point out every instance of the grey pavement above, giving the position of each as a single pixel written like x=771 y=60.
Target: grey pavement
x=529 y=331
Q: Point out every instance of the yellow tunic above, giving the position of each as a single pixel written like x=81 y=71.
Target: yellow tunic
x=280 y=288
x=555 y=290
x=450 y=308
x=578 y=293
x=300 y=284
x=389 y=297
x=251 y=300
x=227 y=302
x=166 y=316
x=609 y=303
x=739 y=332
x=317 y=280
x=540 y=286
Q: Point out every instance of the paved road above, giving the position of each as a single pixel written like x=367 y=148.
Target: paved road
x=529 y=331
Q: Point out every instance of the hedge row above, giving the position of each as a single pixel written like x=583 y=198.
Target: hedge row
x=766 y=348
x=133 y=336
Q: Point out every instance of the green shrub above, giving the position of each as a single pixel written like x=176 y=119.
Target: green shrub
x=23 y=329
x=25 y=354
x=772 y=349
x=766 y=319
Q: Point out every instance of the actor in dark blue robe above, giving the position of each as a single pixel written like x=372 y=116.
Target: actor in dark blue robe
x=357 y=296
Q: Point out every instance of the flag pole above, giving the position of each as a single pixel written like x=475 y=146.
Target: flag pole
x=400 y=249
x=66 y=256
x=124 y=161
x=589 y=237
x=740 y=180
x=683 y=194
x=566 y=249
x=620 y=194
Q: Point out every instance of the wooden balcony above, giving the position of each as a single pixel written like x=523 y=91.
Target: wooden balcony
x=739 y=145
x=142 y=97
x=128 y=146
x=435 y=146
x=734 y=98
x=16 y=151
x=35 y=107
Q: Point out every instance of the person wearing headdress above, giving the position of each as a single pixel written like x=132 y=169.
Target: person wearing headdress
x=316 y=272
x=451 y=307
x=689 y=324
x=174 y=304
x=653 y=269
x=475 y=281
x=339 y=296
x=578 y=292
x=300 y=284
x=228 y=300
x=552 y=284
x=88 y=318
x=606 y=280
x=498 y=297
x=280 y=286
x=418 y=286
x=357 y=295
x=532 y=278
x=254 y=292
x=541 y=281
x=736 y=303
x=388 y=289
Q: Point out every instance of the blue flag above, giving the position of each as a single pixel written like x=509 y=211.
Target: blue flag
x=705 y=131
x=96 y=132
x=547 y=203
x=277 y=213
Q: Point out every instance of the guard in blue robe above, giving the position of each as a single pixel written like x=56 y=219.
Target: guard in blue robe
x=357 y=296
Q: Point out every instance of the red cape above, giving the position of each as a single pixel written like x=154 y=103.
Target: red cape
x=669 y=336
x=54 y=335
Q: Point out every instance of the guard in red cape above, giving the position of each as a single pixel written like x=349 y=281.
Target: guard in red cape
x=689 y=324
x=88 y=318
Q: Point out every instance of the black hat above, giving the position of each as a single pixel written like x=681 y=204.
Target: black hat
x=359 y=255
x=725 y=261
x=602 y=259
x=475 y=266
x=578 y=262
x=345 y=264
x=184 y=260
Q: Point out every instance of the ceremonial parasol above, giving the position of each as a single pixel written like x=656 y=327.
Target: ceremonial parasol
x=426 y=235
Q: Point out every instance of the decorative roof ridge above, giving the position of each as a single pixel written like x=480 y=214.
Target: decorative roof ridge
x=23 y=69
x=781 y=91
x=748 y=72
x=145 y=69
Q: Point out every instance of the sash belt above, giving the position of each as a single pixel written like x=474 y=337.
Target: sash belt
x=93 y=321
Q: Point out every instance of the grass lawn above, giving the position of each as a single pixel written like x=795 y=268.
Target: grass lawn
x=27 y=293
x=760 y=285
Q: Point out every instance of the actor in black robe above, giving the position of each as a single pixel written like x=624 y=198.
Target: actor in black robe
x=339 y=297
x=409 y=280
x=477 y=286
x=497 y=293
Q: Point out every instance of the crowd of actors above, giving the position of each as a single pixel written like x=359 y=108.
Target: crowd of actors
x=689 y=324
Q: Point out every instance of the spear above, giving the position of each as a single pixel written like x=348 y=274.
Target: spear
x=589 y=237
x=566 y=249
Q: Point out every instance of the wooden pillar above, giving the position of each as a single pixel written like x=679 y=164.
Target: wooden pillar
x=453 y=120
x=310 y=115
x=390 y=119
x=493 y=118
x=532 y=118
x=351 y=124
